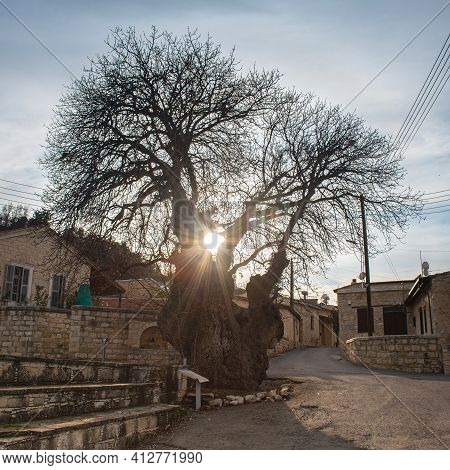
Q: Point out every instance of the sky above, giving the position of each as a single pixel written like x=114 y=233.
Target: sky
x=330 y=48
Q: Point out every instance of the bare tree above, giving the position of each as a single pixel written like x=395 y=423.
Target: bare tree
x=165 y=140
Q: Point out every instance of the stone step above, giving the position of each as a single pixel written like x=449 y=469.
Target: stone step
x=118 y=429
x=20 y=404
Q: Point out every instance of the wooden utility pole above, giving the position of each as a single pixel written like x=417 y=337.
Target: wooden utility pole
x=370 y=322
x=291 y=293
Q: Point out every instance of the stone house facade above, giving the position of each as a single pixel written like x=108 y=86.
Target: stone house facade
x=36 y=269
x=306 y=324
x=428 y=307
x=389 y=312
x=317 y=323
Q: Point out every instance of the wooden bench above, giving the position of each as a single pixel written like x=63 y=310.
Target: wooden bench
x=199 y=380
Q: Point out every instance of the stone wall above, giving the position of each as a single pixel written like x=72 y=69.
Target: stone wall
x=35 y=331
x=352 y=297
x=404 y=353
x=122 y=329
x=82 y=333
x=440 y=301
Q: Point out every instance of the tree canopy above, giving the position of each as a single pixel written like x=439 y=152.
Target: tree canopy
x=165 y=138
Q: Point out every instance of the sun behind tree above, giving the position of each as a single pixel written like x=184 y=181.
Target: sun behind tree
x=163 y=140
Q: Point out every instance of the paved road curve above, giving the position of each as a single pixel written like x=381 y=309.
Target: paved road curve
x=334 y=405
x=374 y=409
x=319 y=362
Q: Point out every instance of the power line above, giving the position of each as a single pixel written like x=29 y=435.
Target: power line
x=21 y=184
x=436 y=192
x=20 y=202
x=425 y=112
x=34 y=35
x=437 y=212
x=423 y=102
x=21 y=197
x=423 y=251
x=423 y=89
x=18 y=191
x=396 y=55
x=434 y=197
x=431 y=205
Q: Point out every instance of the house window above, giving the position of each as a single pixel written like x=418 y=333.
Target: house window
x=394 y=320
x=425 y=319
x=363 y=323
x=58 y=284
x=312 y=322
x=421 y=320
x=17 y=283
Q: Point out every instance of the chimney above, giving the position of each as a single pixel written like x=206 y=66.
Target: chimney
x=353 y=281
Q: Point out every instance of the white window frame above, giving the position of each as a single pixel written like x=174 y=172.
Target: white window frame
x=30 y=280
x=50 y=290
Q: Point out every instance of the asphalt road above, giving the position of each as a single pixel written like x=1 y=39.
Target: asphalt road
x=334 y=405
x=317 y=362
x=374 y=409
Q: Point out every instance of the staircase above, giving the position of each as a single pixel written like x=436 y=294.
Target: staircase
x=82 y=415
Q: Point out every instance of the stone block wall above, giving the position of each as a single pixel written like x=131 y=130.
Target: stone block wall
x=46 y=331
x=420 y=354
x=122 y=329
x=440 y=299
x=81 y=334
x=352 y=297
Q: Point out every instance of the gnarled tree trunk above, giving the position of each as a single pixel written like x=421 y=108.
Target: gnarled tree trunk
x=221 y=340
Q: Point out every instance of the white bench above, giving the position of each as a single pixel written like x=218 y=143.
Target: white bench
x=199 y=380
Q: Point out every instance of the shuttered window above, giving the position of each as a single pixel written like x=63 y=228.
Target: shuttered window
x=57 y=291
x=363 y=323
x=17 y=282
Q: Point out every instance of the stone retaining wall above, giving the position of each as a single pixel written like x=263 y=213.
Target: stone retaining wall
x=16 y=371
x=403 y=353
x=82 y=333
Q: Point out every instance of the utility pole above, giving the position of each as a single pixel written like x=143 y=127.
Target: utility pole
x=291 y=293
x=370 y=322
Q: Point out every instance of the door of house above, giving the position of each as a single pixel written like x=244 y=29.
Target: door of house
x=394 y=319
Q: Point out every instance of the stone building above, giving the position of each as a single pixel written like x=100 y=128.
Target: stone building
x=36 y=269
x=428 y=307
x=317 y=323
x=389 y=312
x=134 y=293
x=306 y=324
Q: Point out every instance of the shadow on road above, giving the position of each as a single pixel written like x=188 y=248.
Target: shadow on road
x=264 y=425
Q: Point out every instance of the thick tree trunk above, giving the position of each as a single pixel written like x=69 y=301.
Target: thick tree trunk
x=221 y=340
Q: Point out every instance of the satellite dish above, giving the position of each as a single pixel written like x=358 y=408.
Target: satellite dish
x=362 y=276
x=325 y=299
x=425 y=268
x=305 y=294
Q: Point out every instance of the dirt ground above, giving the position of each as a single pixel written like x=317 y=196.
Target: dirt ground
x=328 y=410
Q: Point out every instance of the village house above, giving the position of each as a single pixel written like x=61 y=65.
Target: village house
x=318 y=322
x=306 y=324
x=411 y=324
x=428 y=307
x=389 y=313
x=134 y=293
x=37 y=269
